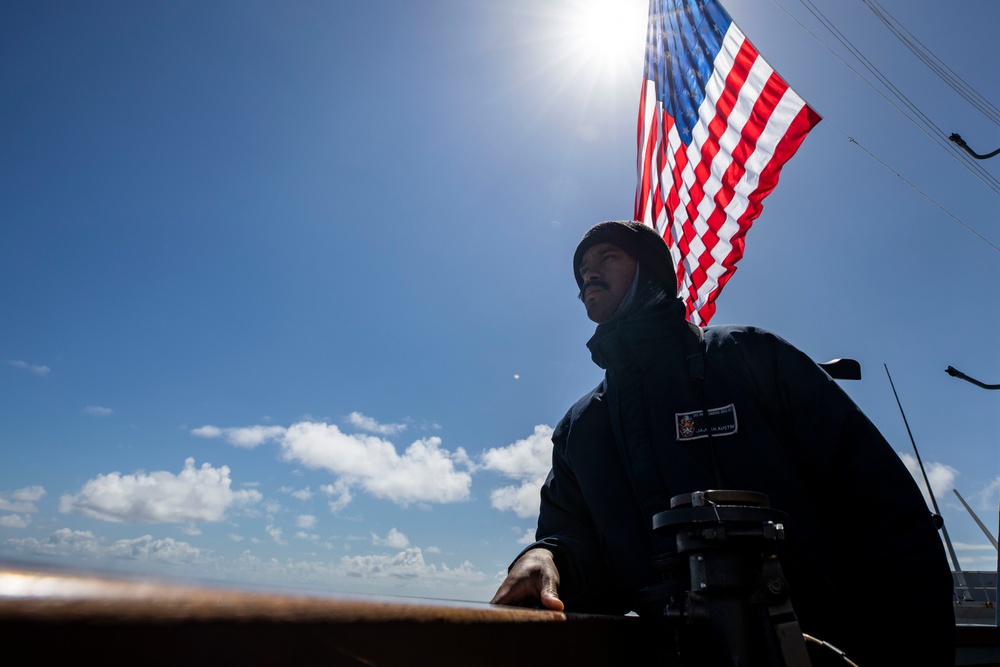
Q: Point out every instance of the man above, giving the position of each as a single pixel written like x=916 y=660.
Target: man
x=861 y=554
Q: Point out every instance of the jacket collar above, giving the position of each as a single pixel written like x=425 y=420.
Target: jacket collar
x=644 y=336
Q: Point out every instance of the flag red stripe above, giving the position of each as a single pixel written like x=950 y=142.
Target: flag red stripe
x=704 y=192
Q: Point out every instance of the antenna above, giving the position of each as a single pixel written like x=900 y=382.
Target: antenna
x=930 y=492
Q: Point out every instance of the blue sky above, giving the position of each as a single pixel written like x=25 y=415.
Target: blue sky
x=286 y=287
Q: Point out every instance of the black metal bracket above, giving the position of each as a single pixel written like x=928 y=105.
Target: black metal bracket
x=959 y=374
x=957 y=138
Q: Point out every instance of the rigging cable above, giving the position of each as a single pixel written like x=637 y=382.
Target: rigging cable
x=926 y=196
x=935 y=64
x=943 y=72
x=995 y=186
x=922 y=121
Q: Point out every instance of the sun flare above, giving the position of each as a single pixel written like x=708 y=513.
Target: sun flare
x=611 y=33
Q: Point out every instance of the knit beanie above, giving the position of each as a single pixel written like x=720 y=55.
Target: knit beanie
x=640 y=241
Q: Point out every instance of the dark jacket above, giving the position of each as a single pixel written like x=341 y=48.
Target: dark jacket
x=861 y=550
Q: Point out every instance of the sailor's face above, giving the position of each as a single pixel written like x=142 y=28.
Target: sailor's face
x=607 y=272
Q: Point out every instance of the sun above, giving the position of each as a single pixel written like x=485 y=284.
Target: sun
x=607 y=33
x=585 y=55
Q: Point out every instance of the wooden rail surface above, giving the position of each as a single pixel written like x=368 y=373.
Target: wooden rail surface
x=63 y=618
x=57 y=618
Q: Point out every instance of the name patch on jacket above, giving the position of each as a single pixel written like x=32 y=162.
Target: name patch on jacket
x=694 y=425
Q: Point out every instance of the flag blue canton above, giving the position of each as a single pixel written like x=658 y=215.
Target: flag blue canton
x=684 y=38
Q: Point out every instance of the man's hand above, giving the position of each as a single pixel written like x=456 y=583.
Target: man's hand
x=532 y=578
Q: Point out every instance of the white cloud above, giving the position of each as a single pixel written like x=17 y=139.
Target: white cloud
x=408 y=564
x=275 y=534
x=202 y=494
x=97 y=411
x=253 y=436
x=272 y=507
x=395 y=572
x=63 y=542
x=15 y=521
x=247 y=437
x=146 y=548
x=940 y=476
x=305 y=521
x=360 y=421
x=68 y=543
x=340 y=494
x=524 y=500
x=31 y=368
x=989 y=497
x=527 y=460
x=21 y=500
x=528 y=537
x=423 y=473
x=394 y=539
x=301 y=494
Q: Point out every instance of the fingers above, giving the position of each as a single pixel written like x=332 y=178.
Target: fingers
x=533 y=578
x=550 y=600
x=511 y=592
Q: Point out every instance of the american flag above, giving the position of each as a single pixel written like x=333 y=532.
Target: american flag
x=716 y=124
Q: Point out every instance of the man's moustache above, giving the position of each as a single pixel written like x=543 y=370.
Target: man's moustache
x=595 y=283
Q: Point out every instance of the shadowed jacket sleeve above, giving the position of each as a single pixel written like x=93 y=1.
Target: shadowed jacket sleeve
x=565 y=527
